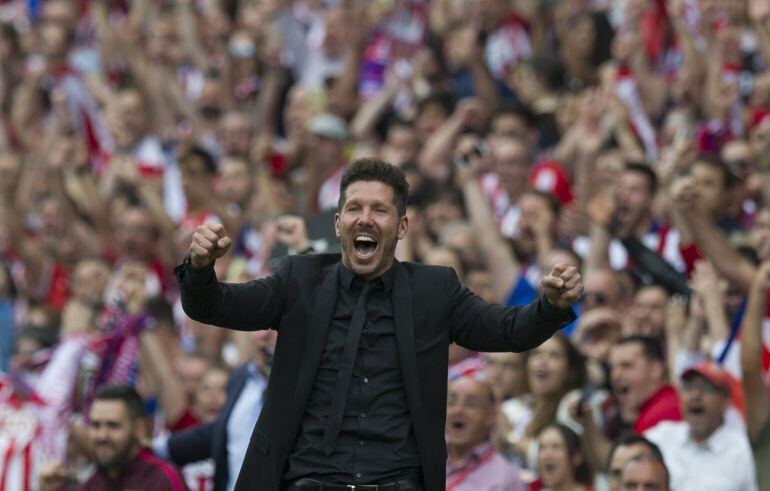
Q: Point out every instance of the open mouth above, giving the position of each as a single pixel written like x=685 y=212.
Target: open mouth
x=456 y=426
x=547 y=467
x=696 y=410
x=365 y=246
x=621 y=391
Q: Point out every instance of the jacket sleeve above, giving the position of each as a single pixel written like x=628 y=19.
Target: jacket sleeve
x=481 y=326
x=191 y=445
x=246 y=306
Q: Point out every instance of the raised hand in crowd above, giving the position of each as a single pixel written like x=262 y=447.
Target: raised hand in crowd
x=290 y=230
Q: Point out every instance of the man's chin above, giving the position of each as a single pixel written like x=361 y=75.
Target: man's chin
x=106 y=461
x=364 y=269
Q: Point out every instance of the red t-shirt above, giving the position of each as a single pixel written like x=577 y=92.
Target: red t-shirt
x=662 y=406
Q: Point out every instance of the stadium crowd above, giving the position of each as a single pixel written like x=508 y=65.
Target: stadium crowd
x=630 y=138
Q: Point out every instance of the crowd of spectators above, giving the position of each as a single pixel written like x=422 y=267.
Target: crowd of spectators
x=630 y=138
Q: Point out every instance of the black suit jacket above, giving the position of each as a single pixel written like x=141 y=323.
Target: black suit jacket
x=431 y=309
x=209 y=440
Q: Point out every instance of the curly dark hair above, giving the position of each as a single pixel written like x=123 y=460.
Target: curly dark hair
x=372 y=169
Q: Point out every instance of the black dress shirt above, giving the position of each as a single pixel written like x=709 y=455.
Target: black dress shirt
x=376 y=442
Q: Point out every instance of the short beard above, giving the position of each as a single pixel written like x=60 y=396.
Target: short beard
x=120 y=458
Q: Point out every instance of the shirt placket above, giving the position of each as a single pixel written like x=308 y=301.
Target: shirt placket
x=361 y=381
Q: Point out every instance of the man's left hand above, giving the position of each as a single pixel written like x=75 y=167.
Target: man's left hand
x=563 y=286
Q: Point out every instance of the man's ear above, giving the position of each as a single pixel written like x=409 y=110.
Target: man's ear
x=337 y=224
x=725 y=402
x=658 y=370
x=403 y=227
x=143 y=432
x=492 y=417
x=577 y=459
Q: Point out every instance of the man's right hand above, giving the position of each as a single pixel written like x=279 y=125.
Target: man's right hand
x=53 y=476
x=209 y=242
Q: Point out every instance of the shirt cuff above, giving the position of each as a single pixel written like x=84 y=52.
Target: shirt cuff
x=160 y=447
x=551 y=313
x=192 y=277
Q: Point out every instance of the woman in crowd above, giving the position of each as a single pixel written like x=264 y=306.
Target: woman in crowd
x=560 y=462
x=553 y=369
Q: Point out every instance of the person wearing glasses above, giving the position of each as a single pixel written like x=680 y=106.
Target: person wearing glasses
x=473 y=463
x=702 y=452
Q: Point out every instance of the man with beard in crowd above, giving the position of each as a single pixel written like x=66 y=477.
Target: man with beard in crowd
x=118 y=425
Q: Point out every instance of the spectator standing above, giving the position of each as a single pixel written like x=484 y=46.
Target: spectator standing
x=702 y=452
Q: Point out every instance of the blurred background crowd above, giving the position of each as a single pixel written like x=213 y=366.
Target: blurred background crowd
x=630 y=138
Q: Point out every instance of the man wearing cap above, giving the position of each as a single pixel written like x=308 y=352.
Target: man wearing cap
x=702 y=452
x=326 y=161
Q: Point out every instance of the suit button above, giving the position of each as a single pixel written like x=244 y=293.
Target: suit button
x=358 y=475
x=361 y=442
x=366 y=380
x=363 y=415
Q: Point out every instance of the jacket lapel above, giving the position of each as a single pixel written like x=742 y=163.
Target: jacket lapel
x=407 y=355
x=316 y=337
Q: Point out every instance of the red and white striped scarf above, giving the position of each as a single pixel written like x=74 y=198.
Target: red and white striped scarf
x=88 y=119
x=34 y=419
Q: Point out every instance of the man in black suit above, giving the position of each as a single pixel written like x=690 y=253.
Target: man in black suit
x=357 y=393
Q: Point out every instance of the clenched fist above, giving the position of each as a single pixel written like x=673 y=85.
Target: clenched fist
x=209 y=242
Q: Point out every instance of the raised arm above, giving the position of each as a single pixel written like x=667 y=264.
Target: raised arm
x=170 y=393
x=436 y=152
x=754 y=388
x=502 y=262
x=345 y=88
x=483 y=82
x=759 y=12
x=711 y=288
x=714 y=245
x=244 y=307
x=480 y=326
x=370 y=113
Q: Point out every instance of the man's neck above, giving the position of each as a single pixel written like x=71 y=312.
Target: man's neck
x=632 y=414
x=644 y=225
x=700 y=439
x=114 y=472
